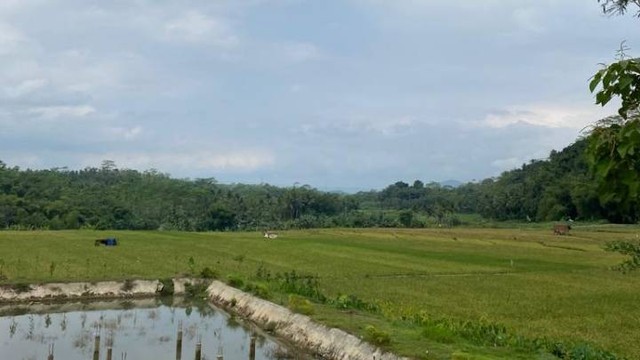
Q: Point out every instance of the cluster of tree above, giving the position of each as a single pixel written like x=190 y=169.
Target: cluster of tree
x=559 y=187
x=112 y=198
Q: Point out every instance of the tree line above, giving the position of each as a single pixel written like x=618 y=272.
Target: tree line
x=107 y=197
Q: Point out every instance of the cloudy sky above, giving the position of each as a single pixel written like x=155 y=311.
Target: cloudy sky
x=349 y=94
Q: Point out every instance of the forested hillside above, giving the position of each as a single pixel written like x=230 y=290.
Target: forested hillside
x=111 y=198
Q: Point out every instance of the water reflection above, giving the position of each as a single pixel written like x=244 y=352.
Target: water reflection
x=142 y=330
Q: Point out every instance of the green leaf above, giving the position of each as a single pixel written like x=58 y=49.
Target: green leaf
x=624 y=82
x=608 y=77
x=595 y=81
x=603 y=97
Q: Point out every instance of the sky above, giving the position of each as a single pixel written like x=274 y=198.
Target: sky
x=346 y=95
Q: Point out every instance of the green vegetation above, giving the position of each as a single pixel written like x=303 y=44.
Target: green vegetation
x=518 y=293
x=300 y=305
x=109 y=198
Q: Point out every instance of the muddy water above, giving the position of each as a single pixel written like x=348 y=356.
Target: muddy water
x=143 y=330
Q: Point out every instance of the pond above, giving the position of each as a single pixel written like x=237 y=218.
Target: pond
x=135 y=330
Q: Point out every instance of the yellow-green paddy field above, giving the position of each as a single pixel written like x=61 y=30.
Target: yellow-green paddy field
x=518 y=293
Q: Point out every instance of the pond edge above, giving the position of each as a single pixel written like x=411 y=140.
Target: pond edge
x=300 y=330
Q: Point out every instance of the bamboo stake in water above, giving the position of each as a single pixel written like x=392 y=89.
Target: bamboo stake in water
x=110 y=346
x=199 y=350
x=96 y=349
x=179 y=343
x=252 y=347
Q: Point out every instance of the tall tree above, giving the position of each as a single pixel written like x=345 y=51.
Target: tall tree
x=614 y=143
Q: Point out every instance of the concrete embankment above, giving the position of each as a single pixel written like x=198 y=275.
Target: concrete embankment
x=102 y=289
x=301 y=330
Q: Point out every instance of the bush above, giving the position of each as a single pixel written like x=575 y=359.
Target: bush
x=376 y=336
x=259 y=290
x=305 y=285
x=198 y=290
x=301 y=305
x=21 y=288
x=235 y=281
x=208 y=273
x=167 y=287
x=354 y=302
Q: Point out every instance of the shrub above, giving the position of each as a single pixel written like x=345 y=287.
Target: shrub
x=263 y=273
x=198 y=290
x=167 y=287
x=300 y=284
x=354 y=302
x=300 y=305
x=235 y=281
x=259 y=290
x=376 y=336
x=208 y=273
x=21 y=288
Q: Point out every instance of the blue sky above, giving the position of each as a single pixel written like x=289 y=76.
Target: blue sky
x=351 y=94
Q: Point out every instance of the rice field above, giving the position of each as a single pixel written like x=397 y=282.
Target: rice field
x=533 y=283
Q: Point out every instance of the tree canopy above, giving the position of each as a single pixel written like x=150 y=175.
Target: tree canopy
x=614 y=146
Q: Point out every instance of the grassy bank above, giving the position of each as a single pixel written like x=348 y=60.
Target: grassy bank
x=494 y=293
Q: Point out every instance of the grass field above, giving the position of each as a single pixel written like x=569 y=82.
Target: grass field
x=436 y=293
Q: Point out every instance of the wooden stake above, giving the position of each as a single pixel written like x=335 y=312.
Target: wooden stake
x=96 y=349
x=252 y=347
x=179 y=343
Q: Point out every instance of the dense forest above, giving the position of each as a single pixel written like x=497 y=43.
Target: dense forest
x=560 y=187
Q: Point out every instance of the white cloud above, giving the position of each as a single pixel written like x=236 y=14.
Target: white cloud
x=551 y=116
x=245 y=160
x=507 y=163
x=126 y=133
x=25 y=87
x=196 y=27
x=54 y=112
x=386 y=126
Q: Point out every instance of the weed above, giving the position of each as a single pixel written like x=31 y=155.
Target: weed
x=353 y=302
x=208 y=273
x=300 y=305
x=21 y=288
x=259 y=290
x=626 y=248
x=376 y=336
x=235 y=281
x=52 y=268
x=263 y=273
x=167 y=287
x=197 y=290
x=271 y=327
x=300 y=284
x=127 y=285
x=192 y=265
x=439 y=333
